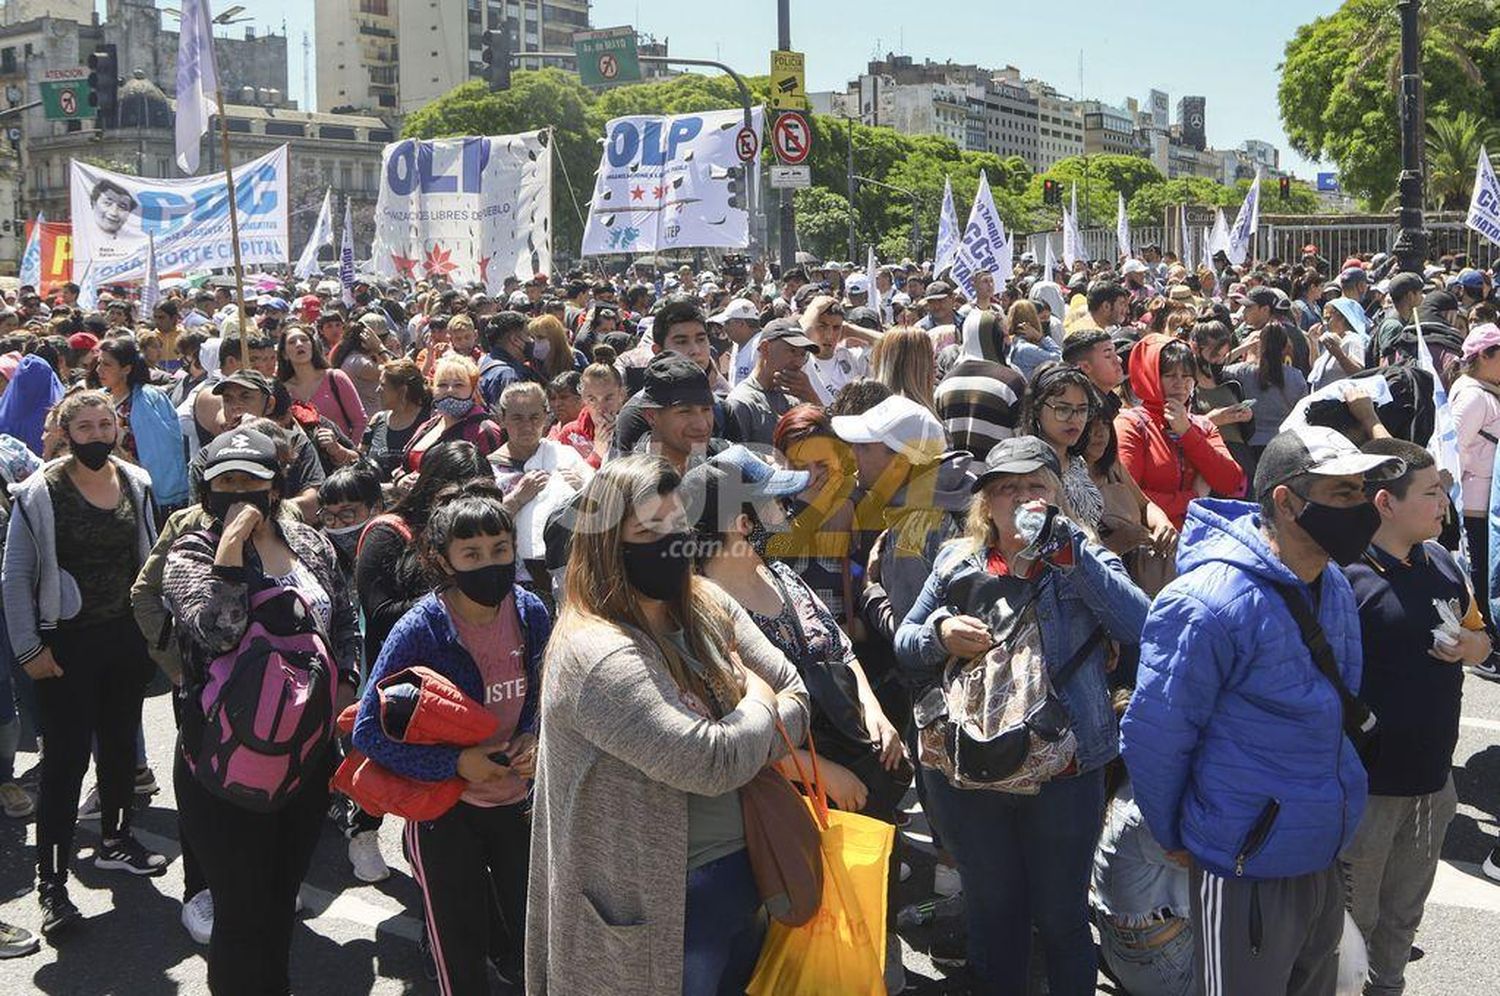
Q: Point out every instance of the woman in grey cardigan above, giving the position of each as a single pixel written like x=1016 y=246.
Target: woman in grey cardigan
x=659 y=701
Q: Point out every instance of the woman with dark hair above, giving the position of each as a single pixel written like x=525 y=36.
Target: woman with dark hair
x=359 y=354
x=1174 y=455
x=1131 y=521
x=387 y=572
x=1270 y=385
x=301 y=366
x=253 y=858
x=486 y=634
x=405 y=403
x=150 y=433
x=1060 y=401
x=81 y=528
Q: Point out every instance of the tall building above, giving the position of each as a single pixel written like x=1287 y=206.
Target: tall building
x=1004 y=117
x=1059 y=125
x=18 y=11
x=403 y=54
x=1191 y=119
x=1108 y=129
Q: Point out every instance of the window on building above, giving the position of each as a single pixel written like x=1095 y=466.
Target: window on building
x=346 y=177
x=340 y=132
x=289 y=128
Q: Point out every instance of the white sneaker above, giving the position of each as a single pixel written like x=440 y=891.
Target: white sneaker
x=16 y=801
x=299 y=905
x=1491 y=866
x=364 y=855
x=945 y=880
x=198 y=916
x=90 y=808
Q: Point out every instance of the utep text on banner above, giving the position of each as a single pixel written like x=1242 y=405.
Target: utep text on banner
x=665 y=183
x=116 y=216
x=1484 y=205
x=475 y=209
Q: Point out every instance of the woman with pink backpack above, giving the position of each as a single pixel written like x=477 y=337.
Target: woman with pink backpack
x=271 y=652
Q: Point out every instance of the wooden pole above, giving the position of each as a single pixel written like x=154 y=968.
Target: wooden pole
x=234 y=231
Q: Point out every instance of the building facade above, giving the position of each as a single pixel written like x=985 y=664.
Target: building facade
x=1059 y=125
x=1108 y=129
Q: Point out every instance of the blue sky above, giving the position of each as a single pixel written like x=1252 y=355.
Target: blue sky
x=1227 y=53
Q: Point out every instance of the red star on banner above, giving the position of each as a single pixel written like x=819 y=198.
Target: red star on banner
x=636 y=193
x=405 y=265
x=657 y=191
x=438 y=262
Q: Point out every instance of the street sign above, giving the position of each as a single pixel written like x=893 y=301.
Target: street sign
x=792 y=138
x=746 y=144
x=607 y=57
x=788 y=82
x=791 y=177
x=1200 y=216
x=65 y=94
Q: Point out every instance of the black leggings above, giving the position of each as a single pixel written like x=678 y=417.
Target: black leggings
x=1477 y=532
x=98 y=694
x=471 y=864
x=254 y=863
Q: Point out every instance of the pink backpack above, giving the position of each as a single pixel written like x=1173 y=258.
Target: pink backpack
x=267 y=705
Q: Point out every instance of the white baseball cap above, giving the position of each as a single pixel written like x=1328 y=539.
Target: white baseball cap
x=1133 y=266
x=738 y=309
x=901 y=424
x=857 y=283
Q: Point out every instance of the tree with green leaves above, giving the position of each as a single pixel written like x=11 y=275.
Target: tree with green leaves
x=1453 y=146
x=1338 y=95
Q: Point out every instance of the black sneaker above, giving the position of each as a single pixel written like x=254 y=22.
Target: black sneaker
x=1488 y=668
x=128 y=855
x=58 y=911
x=16 y=942
x=429 y=966
x=950 y=947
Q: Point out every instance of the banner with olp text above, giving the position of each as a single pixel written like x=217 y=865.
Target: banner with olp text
x=476 y=209
x=672 y=182
x=115 y=218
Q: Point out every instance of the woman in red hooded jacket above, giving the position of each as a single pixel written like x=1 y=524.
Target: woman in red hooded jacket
x=1173 y=455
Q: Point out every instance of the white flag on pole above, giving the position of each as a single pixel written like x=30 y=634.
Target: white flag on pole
x=197 y=81
x=1122 y=228
x=346 y=257
x=150 y=286
x=1051 y=272
x=1245 y=224
x=88 y=288
x=984 y=248
x=30 y=273
x=1444 y=442
x=1185 y=237
x=948 y=234
x=322 y=235
x=872 y=270
x=1072 y=247
x=1484 y=205
x=1218 y=239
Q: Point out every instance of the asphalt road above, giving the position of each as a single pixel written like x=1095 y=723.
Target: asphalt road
x=357 y=939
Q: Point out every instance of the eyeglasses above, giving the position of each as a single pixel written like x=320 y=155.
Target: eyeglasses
x=344 y=517
x=1069 y=413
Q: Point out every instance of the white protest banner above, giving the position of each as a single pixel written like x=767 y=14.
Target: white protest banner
x=983 y=247
x=475 y=209
x=1122 y=228
x=322 y=235
x=1484 y=205
x=1245 y=224
x=115 y=218
x=947 y=234
x=1218 y=239
x=671 y=182
x=346 y=257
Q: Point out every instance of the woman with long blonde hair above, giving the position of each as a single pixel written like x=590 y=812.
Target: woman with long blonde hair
x=903 y=361
x=551 y=353
x=660 y=700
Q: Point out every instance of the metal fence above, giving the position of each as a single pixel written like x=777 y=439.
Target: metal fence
x=1098 y=243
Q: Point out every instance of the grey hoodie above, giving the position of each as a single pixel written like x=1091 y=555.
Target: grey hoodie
x=38 y=593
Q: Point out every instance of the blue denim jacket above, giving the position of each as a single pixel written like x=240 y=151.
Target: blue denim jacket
x=1095 y=591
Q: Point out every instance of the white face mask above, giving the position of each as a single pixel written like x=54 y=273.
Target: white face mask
x=541 y=349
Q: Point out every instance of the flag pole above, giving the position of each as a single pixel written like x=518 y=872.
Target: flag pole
x=234 y=228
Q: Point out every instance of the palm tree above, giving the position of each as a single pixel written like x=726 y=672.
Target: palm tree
x=1444 y=25
x=1453 y=146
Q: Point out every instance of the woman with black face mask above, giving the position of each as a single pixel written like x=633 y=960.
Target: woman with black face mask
x=81 y=528
x=660 y=701
x=253 y=835
x=485 y=634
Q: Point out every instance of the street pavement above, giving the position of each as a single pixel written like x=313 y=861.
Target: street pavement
x=357 y=938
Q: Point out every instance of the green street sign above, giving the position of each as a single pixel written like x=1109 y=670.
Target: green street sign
x=65 y=94
x=607 y=56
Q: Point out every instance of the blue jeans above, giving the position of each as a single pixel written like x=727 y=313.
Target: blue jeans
x=725 y=927
x=1145 y=966
x=1023 y=860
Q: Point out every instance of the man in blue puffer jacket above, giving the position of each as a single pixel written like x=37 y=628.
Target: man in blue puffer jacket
x=1235 y=741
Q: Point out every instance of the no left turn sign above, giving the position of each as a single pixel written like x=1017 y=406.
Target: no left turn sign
x=609 y=67
x=792 y=138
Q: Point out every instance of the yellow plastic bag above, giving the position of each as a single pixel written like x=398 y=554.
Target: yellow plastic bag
x=841 y=950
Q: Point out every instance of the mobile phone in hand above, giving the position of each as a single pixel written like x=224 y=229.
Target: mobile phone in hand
x=501 y=758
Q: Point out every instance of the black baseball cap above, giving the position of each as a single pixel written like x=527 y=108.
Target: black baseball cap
x=1081 y=342
x=240 y=449
x=253 y=379
x=1017 y=455
x=937 y=289
x=789 y=331
x=673 y=379
x=1315 y=449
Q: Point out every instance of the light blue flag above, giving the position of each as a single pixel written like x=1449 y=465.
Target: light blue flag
x=1245 y=224
x=948 y=234
x=197 y=81
x=31 y=259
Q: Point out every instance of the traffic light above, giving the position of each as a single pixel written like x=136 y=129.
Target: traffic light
x=496 y=57
x=104 y=83
x=1051 y=192
x=1286 y=188
x=737 y=199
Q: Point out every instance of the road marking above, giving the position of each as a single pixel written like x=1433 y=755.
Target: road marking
x=1479 y=724
x=1461 y=883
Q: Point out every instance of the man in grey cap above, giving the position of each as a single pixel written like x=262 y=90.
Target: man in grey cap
x=939 y=305
x=775 y=384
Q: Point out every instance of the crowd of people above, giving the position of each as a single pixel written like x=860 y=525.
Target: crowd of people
x=1144 y=585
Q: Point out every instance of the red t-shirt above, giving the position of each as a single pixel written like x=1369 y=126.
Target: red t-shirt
x=499 y=648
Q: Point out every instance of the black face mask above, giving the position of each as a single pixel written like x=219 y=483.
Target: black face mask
x=218 y=503
x=1343 y=533
x=659 y=568
x=92 y=455
x=487 y=585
